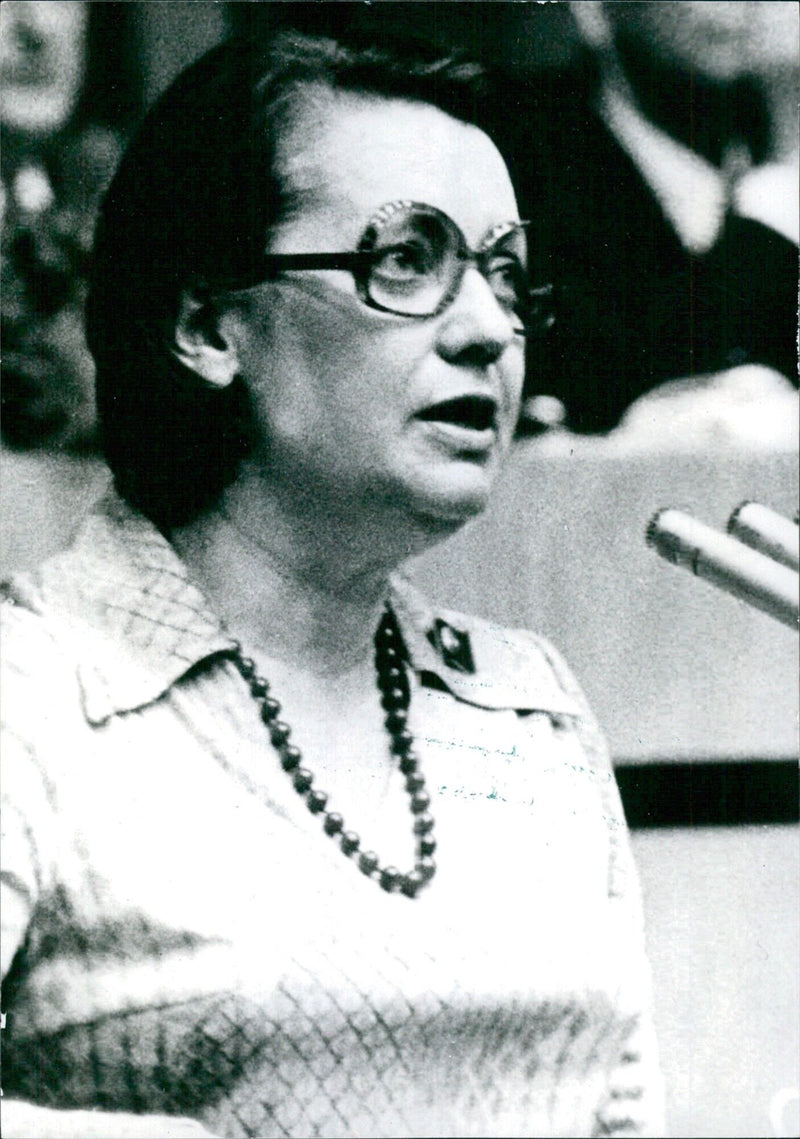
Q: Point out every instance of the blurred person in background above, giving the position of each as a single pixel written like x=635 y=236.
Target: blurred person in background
x=61 y=143
x=310 y=300
x=667 y=168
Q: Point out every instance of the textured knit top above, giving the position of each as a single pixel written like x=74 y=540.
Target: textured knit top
x=184 y=938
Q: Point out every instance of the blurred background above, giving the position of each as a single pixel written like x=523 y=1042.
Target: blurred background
x=655 y=147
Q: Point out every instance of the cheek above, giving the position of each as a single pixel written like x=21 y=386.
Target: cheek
x=309 y=363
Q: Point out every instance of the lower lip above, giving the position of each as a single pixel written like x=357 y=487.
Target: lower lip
x=464 y=440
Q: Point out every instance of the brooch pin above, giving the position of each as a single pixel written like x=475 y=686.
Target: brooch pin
x=452 y=645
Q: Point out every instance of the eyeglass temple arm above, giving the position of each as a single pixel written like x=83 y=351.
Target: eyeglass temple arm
x=269 y=264
x=275 y=261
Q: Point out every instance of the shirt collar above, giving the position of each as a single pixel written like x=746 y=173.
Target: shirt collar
x=692 y=193
x=512 y=668
x=138 y=624
x=136 y=621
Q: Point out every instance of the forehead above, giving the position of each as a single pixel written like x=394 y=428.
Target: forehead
x=349 y=154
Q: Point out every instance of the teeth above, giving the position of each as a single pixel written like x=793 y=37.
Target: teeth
x=475 y=412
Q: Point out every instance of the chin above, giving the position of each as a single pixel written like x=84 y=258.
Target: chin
x=443 y=511
x=429 y=502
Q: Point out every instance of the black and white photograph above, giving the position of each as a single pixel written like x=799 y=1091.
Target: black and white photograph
x=400 y=569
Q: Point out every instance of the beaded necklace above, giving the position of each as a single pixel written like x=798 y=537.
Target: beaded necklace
x=395 y=699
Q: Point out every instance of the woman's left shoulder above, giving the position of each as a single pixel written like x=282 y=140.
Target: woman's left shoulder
x=485 y=662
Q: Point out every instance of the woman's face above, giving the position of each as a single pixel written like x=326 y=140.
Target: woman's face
x=347 y=397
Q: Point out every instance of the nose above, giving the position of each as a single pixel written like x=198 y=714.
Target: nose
x=475 y=329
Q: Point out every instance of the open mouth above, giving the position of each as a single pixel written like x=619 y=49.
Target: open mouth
x=472 y=412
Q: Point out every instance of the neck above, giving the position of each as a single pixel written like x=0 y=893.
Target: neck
x=294 y=584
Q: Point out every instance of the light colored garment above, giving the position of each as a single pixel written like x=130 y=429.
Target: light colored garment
x=192 y=942
x=693 y=193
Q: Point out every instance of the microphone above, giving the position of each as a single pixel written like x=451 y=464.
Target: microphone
x=766 y=530
x=723 y=561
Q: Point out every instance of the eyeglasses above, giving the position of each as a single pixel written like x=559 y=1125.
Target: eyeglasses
x=412 y=258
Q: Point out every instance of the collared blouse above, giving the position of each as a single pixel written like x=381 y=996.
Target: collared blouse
x=183 y=937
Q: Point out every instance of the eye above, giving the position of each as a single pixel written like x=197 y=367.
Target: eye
x=415 y=256
x=404 y=261
x=507 y=280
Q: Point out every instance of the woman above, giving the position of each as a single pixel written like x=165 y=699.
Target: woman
x=308 y=317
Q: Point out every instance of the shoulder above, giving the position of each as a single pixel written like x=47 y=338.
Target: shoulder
x=39 y=679
x=37 y=610
x=512 y=669
x=46 y=635
x=30 y=635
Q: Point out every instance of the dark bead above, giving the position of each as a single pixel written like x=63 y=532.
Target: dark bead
x=395 y=693
x=390 y=879
x=420 y=802
x=423 y=825
x=302 y=780
x=408 y=762
x=426 y=845
x=316 y=801
x=279 y=733
x=270 y=709
x=290 y=757
x=393 y=698
x=350 y=842
x=333 y=823
x=411 y=884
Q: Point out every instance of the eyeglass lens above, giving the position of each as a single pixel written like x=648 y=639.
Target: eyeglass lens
x=419 y=257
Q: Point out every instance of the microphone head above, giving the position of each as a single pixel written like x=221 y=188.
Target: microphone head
x=666 y=541
x=735 y=514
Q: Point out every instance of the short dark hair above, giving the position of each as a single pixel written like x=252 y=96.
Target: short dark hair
x=194 y=201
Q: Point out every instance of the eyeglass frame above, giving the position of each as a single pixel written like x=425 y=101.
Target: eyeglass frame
x=359 y=263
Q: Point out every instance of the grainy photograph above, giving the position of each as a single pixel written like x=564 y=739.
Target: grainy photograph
x=399 y=559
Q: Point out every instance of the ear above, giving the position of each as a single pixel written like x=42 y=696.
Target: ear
x=200 y=343
x=593 y=23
